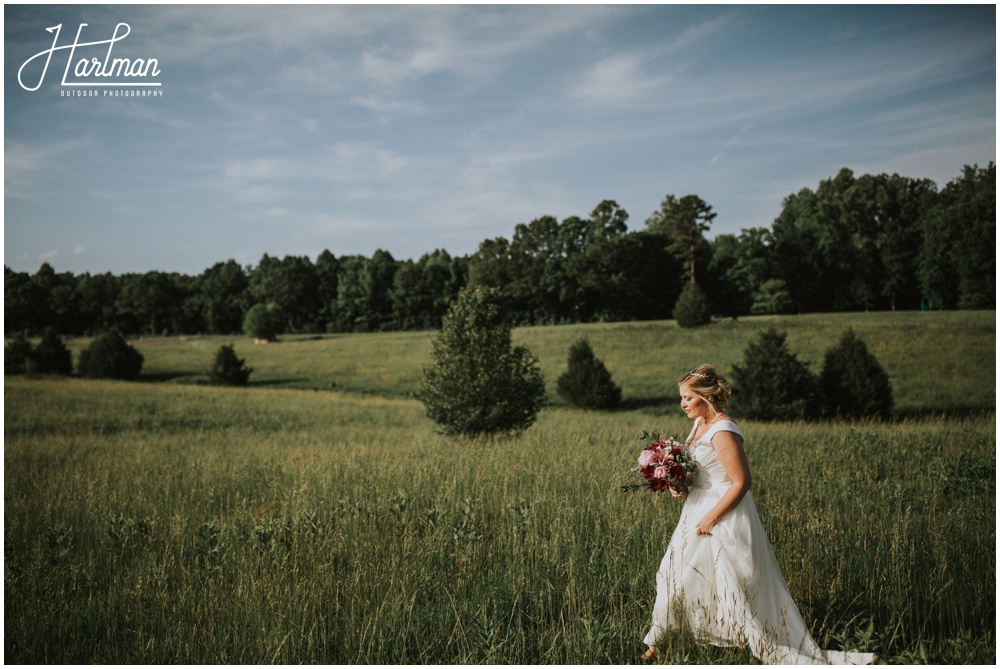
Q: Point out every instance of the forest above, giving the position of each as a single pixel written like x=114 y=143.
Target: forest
x=868 y=243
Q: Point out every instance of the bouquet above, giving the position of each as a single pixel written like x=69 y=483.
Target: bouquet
x=664 y=463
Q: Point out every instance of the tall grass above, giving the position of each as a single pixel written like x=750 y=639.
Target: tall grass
x=152 y=523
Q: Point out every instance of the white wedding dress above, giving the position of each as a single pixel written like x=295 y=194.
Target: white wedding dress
x=726 y=588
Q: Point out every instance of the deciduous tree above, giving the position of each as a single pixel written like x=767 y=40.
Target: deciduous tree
x=109 y=356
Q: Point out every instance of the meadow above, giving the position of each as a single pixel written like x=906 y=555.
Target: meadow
x=318 y=517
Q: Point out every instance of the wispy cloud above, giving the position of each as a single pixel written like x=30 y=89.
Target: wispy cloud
x=733 y=141
x=700 y=34
x=620 y=80
x=25 y=159
x=415 y=127
x=258 y=169
x=386 y=106
x=363 y=161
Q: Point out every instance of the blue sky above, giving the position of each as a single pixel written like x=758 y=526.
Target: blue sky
x=290 y=130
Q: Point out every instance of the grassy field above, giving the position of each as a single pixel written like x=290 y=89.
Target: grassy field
x=940 y=361
x=173 y=522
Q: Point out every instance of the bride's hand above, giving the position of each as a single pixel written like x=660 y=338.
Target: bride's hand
x=704 y=528
x=689 y=479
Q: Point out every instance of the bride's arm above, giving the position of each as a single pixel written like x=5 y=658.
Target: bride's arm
x=729 y=448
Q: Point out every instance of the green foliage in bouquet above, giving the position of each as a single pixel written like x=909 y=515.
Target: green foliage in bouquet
x=479 y=383
x=692 y=308
x=109 y=356
x=51 y=356
x=852 y=383
x=264 y=321
x=16 y=355
x=772 y=383
x=587 y=383
x=228 y=369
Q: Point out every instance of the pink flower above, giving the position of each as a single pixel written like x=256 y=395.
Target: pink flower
x=647 y=458
x=661 y=472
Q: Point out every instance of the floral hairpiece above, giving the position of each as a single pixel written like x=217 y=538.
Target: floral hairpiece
x=698 y=374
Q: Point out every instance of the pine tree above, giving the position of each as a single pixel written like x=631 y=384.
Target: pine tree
x=772 y=383
x=587 y=383
x=852 y=382
x=51 y=355
x=228 y=369
x=692 y=308
x=16 y=355
x=478 y=383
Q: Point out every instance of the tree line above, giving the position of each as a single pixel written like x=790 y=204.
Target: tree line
x=873 y=242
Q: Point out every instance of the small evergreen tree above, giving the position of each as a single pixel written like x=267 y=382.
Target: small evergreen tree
x=586 y=382
x=16 y=355
x=228 y=369
x=109 y=356
x=264 y=321
x=692 y=308
x=852 y=382
x=772 y=383
x=478 y=383
x=51 y=355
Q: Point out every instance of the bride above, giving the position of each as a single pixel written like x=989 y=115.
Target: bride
x=719 y=577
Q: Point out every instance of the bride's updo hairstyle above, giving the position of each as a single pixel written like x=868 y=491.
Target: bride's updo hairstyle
x=709 y=384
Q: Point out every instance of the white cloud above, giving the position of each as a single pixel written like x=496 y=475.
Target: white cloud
x=381 y=105
x=621 y=80
x=639 y=77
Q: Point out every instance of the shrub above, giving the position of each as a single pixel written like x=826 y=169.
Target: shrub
x=51 y=355
x=478 y=383
x=692 y=308
x=264 y=321
x=109 y=356
x=852 y=382
x=587 y=382
x=16 y=355
x=772 y=383
x=227 y=369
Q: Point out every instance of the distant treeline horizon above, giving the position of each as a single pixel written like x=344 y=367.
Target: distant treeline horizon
x=875 y=242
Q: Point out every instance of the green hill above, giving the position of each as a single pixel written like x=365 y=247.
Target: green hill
x=938 y=361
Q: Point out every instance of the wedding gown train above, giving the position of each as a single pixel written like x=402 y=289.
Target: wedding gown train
x=727 y=588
